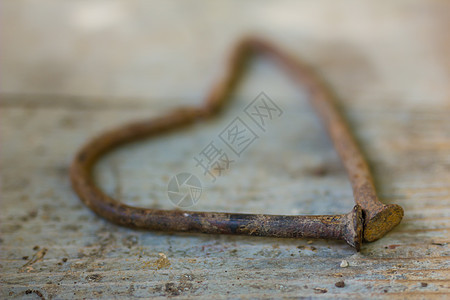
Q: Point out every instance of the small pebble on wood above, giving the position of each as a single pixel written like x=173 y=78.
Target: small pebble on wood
x=340 y=284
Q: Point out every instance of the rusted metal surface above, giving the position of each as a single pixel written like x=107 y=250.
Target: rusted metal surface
x=378 y=218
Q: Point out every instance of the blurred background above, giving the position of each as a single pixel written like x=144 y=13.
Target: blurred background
x=71 y=69
x=159 y=50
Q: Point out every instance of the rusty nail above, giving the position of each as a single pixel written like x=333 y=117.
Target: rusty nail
x=378 y=218
x=346 y=227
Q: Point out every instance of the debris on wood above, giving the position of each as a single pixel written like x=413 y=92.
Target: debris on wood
x=344 y=264
x=340 y=284
x=28 y=267
x=320 y=291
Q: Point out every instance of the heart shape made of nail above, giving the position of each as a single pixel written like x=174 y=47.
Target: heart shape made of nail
x=369 y=219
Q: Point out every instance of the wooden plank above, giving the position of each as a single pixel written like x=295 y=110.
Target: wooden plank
x=51 y=246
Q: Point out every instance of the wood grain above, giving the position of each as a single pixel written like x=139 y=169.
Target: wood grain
x=387 y=62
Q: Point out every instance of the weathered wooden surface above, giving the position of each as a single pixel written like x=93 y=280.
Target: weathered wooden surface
x=71 y=76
